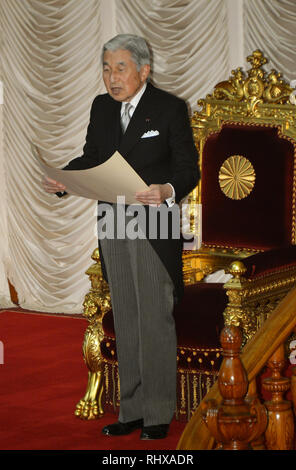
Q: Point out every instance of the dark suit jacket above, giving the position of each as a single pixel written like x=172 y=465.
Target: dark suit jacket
x=169 y=157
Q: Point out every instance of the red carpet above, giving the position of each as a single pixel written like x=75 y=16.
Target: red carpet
x=42 y=379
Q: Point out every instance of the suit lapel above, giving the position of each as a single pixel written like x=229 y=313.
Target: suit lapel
x=115 y=118
x=111 y=128
x=140 y=121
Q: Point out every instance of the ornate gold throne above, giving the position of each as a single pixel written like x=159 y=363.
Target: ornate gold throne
x=246 y=136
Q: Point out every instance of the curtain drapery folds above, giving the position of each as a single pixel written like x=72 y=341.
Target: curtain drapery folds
x=50 y=53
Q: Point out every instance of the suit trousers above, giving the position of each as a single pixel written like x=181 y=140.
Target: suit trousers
x=142 y=303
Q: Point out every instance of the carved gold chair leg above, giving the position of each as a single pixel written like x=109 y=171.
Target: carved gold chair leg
x=90 y=406
x=96 y=304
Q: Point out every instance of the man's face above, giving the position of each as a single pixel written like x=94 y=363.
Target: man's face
x=121 y=77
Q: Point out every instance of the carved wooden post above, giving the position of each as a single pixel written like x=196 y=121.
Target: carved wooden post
x=279 y=434
x=252 y=398
x=293 y=388
x=235 y=423
x=292 y=359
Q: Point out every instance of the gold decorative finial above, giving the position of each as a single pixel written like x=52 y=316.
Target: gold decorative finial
x=257 y=59
x=237 y=269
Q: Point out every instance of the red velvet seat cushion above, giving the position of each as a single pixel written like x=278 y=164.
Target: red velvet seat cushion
x=270 y=261
x=199 y=321
x=199 y=316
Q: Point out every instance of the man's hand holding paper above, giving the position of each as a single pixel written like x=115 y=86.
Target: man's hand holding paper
x=52 y=186
x=156 y=194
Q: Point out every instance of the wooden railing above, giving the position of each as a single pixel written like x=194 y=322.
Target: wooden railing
x=231 y=415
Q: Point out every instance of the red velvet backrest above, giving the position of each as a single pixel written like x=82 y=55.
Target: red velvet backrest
x=263 y=219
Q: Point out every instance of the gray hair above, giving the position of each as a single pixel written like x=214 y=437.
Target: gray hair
x=137 y=46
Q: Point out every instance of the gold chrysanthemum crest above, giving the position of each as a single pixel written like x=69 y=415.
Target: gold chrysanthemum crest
x=237 y=177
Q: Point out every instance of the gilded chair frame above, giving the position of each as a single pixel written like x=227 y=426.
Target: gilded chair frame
x=255 y=98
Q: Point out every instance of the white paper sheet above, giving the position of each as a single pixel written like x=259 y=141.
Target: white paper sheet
x=105 y=182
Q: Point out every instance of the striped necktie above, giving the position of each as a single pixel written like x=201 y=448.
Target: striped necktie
x=125 y=118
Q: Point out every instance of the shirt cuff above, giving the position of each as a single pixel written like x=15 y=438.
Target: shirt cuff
x=171 y=200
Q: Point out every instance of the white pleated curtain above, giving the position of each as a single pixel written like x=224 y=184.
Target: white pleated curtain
x=4 y=250
x=51 y=56
x=189 y=40
x=50 y=67
x=270 y=25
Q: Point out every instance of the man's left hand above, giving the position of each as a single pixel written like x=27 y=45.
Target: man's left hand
x=155 y=195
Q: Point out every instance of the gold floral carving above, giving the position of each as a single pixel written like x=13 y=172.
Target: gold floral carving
x=237 y=177
x=255 y=86
x=250 y=302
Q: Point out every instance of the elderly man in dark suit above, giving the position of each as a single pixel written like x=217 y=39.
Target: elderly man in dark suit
x=151 y=129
